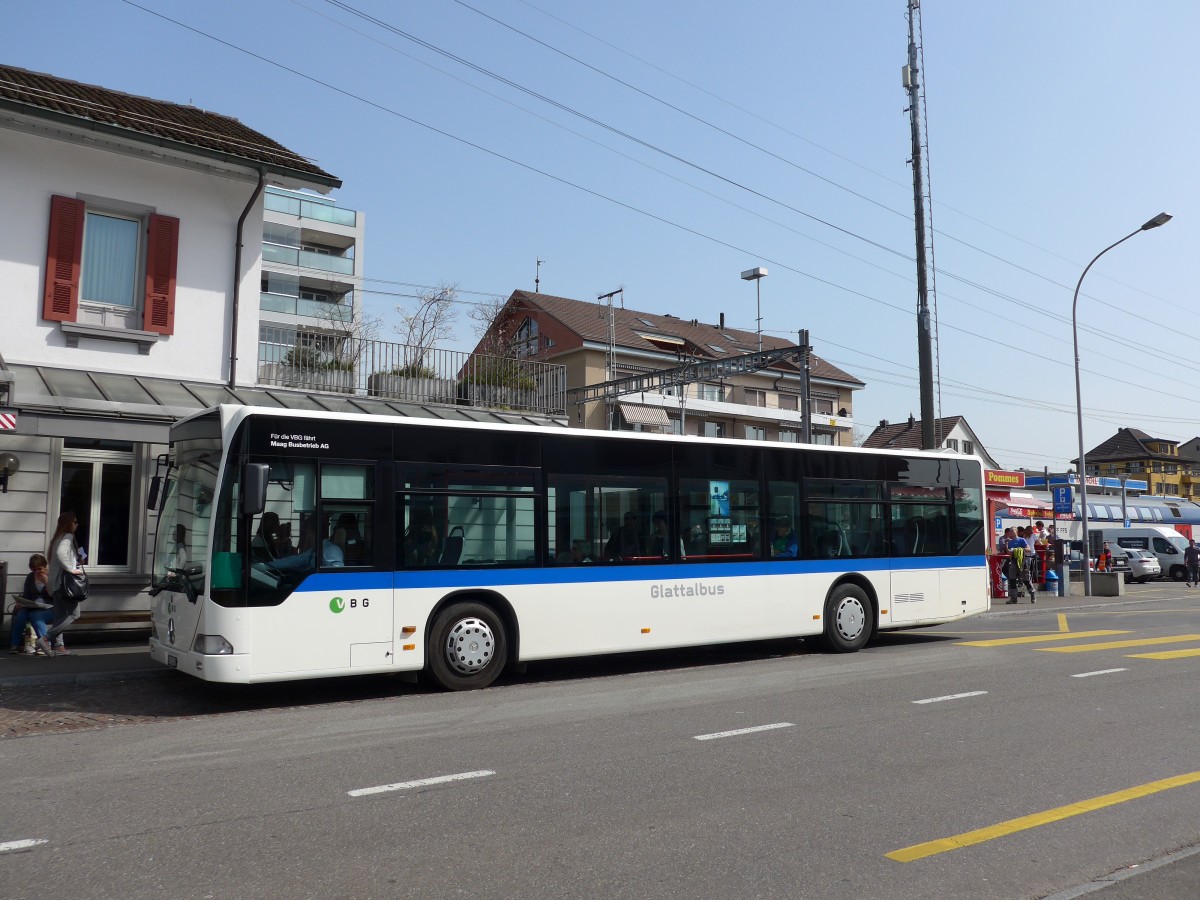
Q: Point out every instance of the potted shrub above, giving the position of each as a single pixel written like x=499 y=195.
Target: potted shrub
x=413 y=382
x=497 y=382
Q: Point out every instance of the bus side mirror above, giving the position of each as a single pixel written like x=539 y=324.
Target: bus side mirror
x=255 y=477
x=155 y=490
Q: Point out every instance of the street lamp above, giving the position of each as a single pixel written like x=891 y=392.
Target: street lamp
x=757 y=275
x=1160 y=219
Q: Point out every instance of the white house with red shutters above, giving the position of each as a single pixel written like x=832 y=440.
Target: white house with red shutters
x=130 y=262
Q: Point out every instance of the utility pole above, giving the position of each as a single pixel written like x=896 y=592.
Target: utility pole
x=910 y=77
x=610 y=356
x=537 y=276
x=805 y=392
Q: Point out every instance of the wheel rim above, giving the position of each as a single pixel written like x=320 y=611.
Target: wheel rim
x=850 y=618
x=470 y=646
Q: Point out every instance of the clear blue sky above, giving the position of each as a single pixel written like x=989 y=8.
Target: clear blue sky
x=1054 y=129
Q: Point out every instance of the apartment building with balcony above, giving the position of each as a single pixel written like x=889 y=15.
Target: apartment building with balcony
x=1169 y=468
x=763 y=405
x=310 y=310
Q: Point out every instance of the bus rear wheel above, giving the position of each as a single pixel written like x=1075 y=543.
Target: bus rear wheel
x=847 y=619
x=468 y=647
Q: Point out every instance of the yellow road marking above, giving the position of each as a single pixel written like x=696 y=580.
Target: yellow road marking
x=1166 y=654
x=1062 y=622
x=1118 y=645
x=967 y=839
x=1038 y=638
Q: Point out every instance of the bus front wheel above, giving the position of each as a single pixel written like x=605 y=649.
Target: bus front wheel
x=467 y=647
x=847 y=619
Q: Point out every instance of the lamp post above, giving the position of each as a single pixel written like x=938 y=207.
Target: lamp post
x=757 y=275
x=1160 y=219
x=1124 y=515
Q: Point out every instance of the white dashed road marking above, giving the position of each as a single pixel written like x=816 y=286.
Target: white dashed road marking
x=952 y=697
x=1101 y=672
x=421 y=782
x=9 y=846
x=725 y=734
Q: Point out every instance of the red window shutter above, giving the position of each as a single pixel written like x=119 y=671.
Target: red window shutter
x=162 y=258
x=64 y=257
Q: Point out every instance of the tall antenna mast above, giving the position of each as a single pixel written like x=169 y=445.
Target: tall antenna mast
x=537 y=276
x=910 y=76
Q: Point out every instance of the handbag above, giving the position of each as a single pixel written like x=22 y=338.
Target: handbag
x=75 y=587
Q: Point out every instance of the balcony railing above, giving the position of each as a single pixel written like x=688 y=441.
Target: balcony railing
x=317 y=309
x=293 y=256
x=310 y=209
x=344 y=364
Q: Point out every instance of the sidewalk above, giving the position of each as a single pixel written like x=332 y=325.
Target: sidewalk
x=87 y=663
x=92 y=663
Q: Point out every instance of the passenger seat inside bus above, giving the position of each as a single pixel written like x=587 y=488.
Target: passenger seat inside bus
x=454 y=546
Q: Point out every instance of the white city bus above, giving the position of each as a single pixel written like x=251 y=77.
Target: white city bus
x=307 y=544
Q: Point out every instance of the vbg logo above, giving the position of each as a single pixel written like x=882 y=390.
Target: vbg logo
x=337 y=604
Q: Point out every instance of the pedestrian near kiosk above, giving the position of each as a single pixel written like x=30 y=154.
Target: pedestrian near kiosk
x=1018 y=569
x=1104 y=562
x=1191 y=559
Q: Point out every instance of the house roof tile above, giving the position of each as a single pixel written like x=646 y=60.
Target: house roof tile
x=635 y=330
x=906 y=435
x=150 y=121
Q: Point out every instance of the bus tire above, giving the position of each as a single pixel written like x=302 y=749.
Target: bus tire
x=847 y=619
x=468 y=647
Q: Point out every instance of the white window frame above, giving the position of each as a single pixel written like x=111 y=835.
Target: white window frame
x=98 y=459
x=98 y=312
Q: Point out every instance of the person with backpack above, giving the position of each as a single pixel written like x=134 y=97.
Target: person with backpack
x=1018 y=569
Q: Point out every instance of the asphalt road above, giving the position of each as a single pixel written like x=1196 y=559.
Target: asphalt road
x=932 y=764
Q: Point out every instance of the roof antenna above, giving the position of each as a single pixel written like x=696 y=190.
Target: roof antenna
x=537 y=276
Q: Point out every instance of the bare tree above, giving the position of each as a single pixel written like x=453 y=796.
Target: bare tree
x=425 y=325
x=492 y=322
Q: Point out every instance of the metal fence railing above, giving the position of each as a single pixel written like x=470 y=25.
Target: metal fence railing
x=322 y=361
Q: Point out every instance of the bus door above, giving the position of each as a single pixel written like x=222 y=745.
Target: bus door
x=919 y=534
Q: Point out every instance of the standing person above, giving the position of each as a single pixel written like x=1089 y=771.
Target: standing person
x=64 y=557
x=1191 y=559
x=1002 y=544
x=658 y=541
x=37 y=604
x=1018 y=569
x=1104 y=560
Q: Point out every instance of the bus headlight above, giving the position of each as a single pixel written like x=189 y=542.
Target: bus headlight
x=211 y=645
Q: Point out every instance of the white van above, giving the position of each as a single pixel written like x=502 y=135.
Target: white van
x=1163 y=541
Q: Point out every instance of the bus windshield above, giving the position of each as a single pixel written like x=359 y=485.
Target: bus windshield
x=180 y=545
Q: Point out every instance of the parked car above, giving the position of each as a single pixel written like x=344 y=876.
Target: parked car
x=1139 y=565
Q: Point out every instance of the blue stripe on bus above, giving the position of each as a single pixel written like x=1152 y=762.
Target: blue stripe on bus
x=477 y=576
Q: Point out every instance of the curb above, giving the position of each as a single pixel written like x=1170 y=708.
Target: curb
x=1023 y=609
x=81 y=679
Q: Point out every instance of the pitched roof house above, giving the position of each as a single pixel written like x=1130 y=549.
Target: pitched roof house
x=120 y=271
x=1168 y=467
x=597 y=343
x=952 y=432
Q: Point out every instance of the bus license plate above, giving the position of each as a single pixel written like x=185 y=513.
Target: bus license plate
x=173 y=661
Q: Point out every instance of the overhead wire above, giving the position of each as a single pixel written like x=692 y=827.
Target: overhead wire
x=341 y=4
x=574 y=185
x=852 y=162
